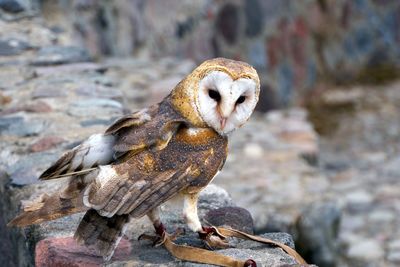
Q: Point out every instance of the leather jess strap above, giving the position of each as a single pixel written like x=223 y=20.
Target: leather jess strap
x=200 y=255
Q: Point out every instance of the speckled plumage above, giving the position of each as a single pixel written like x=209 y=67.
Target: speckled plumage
x=141 y=161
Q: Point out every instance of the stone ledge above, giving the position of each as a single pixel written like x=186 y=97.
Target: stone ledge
x=54 y=246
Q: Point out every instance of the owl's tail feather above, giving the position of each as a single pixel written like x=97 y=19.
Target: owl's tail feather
x=101 y=233
x=47 y=208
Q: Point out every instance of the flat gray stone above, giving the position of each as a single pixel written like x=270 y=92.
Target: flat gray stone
x=366 y=250
x=19 y=126
x=54 y=55
x=13 y=47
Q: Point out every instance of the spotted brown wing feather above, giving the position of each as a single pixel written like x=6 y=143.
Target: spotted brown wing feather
x=155 y=132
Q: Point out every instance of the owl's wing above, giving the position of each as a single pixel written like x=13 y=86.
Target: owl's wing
x=114 y=191
x=131 y=133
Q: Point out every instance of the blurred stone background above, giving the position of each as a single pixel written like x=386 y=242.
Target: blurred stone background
x=319 y=160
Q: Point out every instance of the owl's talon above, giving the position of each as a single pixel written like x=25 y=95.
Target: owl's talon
x=210 y=231
x=162 y=235
x=250 y=263
x=148 y=237
x=212 y=238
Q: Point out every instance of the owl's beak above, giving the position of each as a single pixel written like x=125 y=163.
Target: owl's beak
x=223 y=122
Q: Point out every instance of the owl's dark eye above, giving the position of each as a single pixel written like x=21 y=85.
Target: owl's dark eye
x=240 y=100
x=214 y=95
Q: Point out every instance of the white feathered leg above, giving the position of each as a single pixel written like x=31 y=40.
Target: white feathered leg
x=190 y=212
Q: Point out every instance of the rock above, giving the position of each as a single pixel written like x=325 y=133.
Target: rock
x=48 y=91
x=16 y=125
x=353 y=222
x=394 y=257
x=99 y=91
x=54 y=55
x=381 y=216
x=160 y=89
x=359 y=200
x=52 y=250
x=11 y=6
x=253 y=150
x=95 y=107
x=214 y=197
x=28 y=168
x=317 y=233
x=24 y=176
x=36 y=107
x=4 y=100
x=394 y=251
x=394 y=245
x=46 y=143
x=27 y=128
x=366 y=250
x=6 y=122
x=233 y=217
x=64 y=251
x=80 y=67
x=12 y=47
x=88 y=123
x=97 y=103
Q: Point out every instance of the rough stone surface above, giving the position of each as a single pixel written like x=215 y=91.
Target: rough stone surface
x=54 y=55
x=367 y=250
x=64 y=251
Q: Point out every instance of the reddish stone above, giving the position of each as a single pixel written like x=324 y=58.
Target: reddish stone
x=38 y=107
x=300 y=27
x=64 y=251
x=46 y=143
x=298 y=50
x=227 y=22
x=4 y=99
x=346 y=15
x=272 y=46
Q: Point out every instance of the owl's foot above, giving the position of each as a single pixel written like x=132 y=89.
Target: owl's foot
x=250 y=263
x=160 y=229
x=157 y=239
x=212 y=238
x=161 y=236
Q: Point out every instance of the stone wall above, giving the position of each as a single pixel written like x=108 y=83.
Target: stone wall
x=293 y=44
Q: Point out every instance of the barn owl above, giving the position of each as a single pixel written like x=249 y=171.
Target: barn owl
x=174 y=148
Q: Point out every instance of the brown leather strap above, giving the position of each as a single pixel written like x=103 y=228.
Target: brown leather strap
x=243 y=235
x=200 y=255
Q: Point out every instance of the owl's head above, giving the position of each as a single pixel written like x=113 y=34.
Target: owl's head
x=220 y=93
